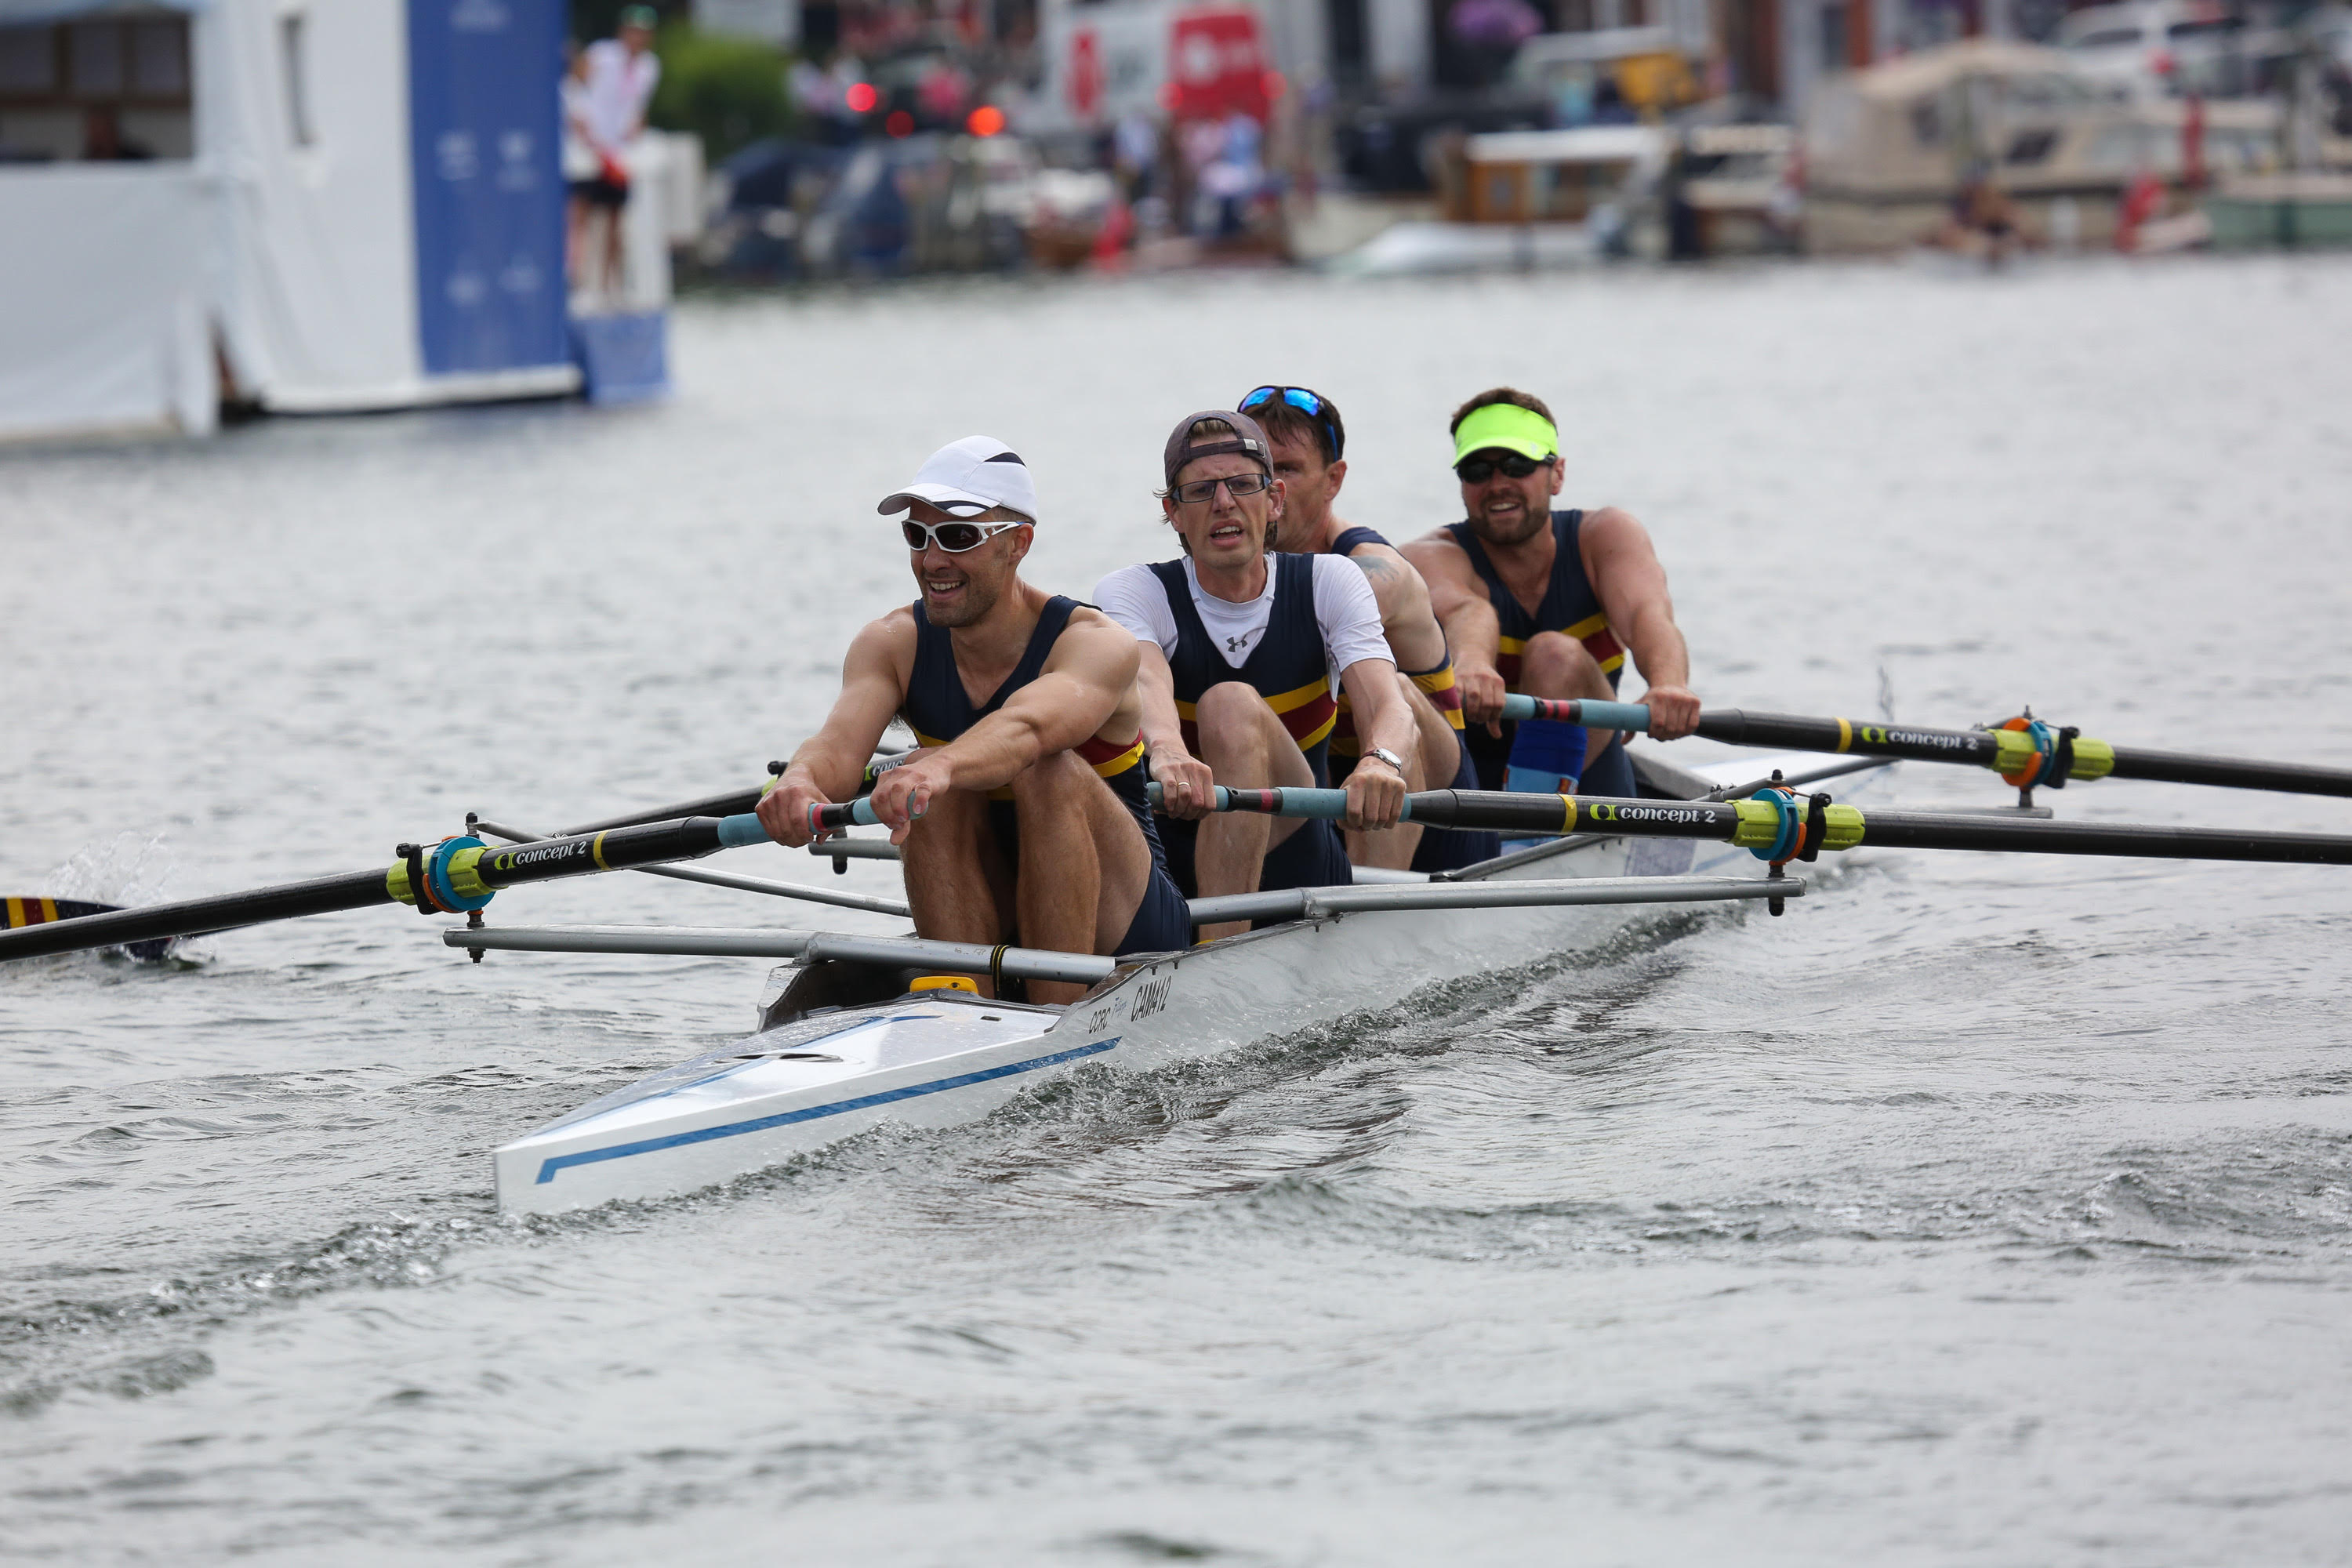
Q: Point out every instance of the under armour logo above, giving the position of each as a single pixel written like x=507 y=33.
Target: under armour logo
x=1235 y=645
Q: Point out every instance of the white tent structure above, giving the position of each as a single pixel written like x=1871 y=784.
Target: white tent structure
x=343 y=205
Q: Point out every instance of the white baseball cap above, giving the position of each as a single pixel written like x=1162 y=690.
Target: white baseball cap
x=968 y=477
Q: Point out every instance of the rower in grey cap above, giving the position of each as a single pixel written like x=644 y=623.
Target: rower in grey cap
x=1239 y=649
x=1022 y=818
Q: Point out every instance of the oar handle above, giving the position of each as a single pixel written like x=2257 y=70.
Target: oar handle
x=1634 y=716
x=1327 y=805
x=858 y=812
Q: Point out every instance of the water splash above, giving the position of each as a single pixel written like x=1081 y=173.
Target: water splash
x=127 y=868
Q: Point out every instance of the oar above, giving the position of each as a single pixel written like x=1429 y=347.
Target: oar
x=1783 y=826
x=2030 y=755
x=32 y=911
x=774 y=890
x=733 y=802
x=457 y=875
x=703 y=942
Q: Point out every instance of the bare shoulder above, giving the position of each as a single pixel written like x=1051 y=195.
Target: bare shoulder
x=1380 y=561
x=1435 y=554
x=888 y=638
x=890 y=630
x=1612 y=525
x=1093 y=639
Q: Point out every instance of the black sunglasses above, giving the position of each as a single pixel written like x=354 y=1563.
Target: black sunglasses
x=1238 y=486
x=1310 y=403
x=1478 y=470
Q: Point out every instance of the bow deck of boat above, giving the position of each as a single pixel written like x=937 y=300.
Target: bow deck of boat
x=846 y=1049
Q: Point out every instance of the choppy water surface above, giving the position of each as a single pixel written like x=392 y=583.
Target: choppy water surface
x=1976 y=1212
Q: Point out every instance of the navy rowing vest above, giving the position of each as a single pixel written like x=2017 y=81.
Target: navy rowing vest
x=1569 y=607
x=938 y=709
x=1438 y=685
x=1288 y=666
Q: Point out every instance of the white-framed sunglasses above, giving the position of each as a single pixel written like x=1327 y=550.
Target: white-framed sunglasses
x=955 y=538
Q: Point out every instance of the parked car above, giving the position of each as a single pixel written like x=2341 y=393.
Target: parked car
x=2155 y=48
x=922 y=203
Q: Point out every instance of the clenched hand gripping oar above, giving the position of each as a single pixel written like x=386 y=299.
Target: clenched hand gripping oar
x=457 y=875
x=1779 y=825
x=2026 y=752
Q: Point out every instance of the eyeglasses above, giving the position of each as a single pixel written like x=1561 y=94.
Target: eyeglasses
x=1238 y=486
x=955 y=538
x=1478 y=470
x=1310 y=403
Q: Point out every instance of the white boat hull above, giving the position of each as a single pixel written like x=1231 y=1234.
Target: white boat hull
x=940 y=1059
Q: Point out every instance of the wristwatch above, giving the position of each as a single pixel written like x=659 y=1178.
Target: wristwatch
x=1387 y=756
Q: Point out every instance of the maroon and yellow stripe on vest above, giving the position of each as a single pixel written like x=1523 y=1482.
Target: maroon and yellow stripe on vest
x=1593 y=632
x=1444 y=691
x=1107 y=758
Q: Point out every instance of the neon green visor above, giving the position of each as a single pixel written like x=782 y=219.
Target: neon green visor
x=1508 y=427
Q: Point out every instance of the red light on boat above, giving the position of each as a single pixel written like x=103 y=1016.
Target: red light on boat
x=900 y=123
x=986 y=120
x=861 y=97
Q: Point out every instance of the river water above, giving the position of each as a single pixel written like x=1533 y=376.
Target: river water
x=1980 y=1211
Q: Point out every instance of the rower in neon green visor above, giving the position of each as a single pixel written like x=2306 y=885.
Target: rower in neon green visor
x=1546 y=601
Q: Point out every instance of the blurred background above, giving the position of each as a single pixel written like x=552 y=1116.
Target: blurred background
x=221 y=208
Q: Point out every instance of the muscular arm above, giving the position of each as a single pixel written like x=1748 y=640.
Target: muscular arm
x=1083 y=680
x=1081 y=685
x=1459 y=601
x=831 y=764
x=1622 y=567
x=1413 y=634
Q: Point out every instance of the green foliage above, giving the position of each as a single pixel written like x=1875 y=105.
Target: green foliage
x=729 y=91
x=595 y=19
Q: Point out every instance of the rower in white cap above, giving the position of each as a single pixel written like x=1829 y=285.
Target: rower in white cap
x=1023 y=817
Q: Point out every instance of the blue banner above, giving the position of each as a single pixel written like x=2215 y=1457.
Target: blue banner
x=484 y=128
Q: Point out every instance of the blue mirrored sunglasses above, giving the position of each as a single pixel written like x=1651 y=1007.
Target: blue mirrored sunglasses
x=1308 y=403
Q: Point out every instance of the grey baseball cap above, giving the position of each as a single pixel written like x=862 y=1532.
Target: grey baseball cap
x=1246 y=438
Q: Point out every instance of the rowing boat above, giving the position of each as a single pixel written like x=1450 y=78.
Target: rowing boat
x=843 y=1045
x=862 y=1030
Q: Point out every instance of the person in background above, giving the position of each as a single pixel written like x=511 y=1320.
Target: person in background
x=622 y=73
x=583 y=170
x=1135 y=153
x=1982 y=220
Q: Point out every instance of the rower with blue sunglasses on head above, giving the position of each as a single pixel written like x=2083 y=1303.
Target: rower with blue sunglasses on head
x=1023 y=817
x=1310 y=445
x=1548 y=603
x=1239 y=647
